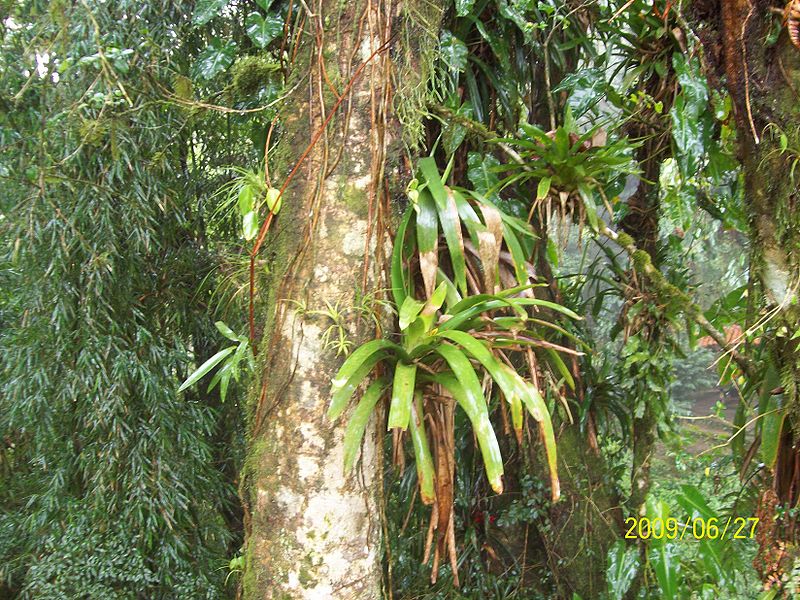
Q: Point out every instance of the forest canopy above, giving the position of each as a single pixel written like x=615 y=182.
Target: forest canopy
x=483 y=299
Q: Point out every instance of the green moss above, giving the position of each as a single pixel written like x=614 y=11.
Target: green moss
x=624 y=239
x=251 y=72
x=641 y=260
x=355 y=199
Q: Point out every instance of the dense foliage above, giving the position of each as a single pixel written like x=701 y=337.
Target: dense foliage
x=572 y=227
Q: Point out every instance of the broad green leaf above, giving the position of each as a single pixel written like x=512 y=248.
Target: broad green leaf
x=463 y=7
x=205 y=10
x=216 y=58
x=623 y=563
x=482 y=173
x=452 y=51
x=206 y=367
x=663 y=555
x=274 y=200
x=467 y=391
x=409 y=312
x=422 y=453
x=341 y=394
x=402 y=395
x=245 y=199
x=358 y=421
x=250 y=225
x=543 y=188
x=262 y=30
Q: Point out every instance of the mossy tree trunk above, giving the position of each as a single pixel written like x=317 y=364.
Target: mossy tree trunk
x=764 y=83
x=312 y=530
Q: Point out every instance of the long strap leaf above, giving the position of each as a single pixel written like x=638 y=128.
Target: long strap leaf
x=422 y=452
x=448 y=217
x=351 y=366
x=466 y=389
x=402 y=395
x=358 y=421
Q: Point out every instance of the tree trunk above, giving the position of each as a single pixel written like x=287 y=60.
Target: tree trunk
x=764 y=84
x=312 y=531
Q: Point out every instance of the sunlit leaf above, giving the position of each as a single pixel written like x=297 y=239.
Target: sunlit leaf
x=203 y=369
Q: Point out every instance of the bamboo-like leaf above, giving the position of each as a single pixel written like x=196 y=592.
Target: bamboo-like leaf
x=427 y=239
x=358 y=421
x=402 y=395
x=466 y=389
x=561 y=367
x=206 y=367
x=424 y=460
x=228 y=332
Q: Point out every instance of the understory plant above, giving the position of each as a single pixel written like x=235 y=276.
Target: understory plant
x=468 y=321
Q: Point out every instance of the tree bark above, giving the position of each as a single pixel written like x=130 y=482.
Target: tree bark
x=312 y=531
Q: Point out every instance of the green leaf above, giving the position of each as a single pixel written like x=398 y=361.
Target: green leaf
x=262 y=30
x=561 y=367
x=538 y=409
x=345 y=385
x=228 y=332
x=451 y=226
x=453 y=51
x=427 y=239
x=771 y=428
x=409 y=311
x=205 y=10
x=402 y=395
x=206 y=367
x=589 y=206
x=274 y=200
x=398 y=276
x=623 y=563
x=358 y=421
x=245 y=199
x=448 y=217
x=543 y=188
x=250 y=225
x=466 y=389
x=216 y=58
x=463 y=7
x=422 y=453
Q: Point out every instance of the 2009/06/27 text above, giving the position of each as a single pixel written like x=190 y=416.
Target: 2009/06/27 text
x=732 y=528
